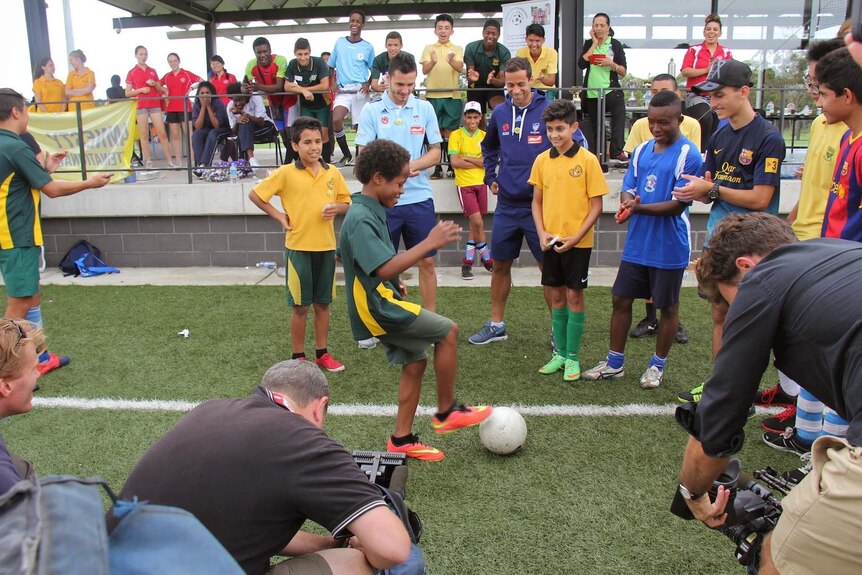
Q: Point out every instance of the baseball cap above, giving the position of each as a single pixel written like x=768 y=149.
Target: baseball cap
x=472 y=107
x=723 y=73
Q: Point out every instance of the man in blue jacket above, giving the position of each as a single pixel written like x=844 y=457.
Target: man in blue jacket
x=516 y=135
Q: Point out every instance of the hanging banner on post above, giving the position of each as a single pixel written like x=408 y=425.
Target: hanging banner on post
x=518 y=15
x=109 y=139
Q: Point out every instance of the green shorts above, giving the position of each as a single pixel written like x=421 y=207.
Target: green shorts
x=320 y=114
x=20 y=269
x=409 y=345
x=448 y=112
x=310 y=277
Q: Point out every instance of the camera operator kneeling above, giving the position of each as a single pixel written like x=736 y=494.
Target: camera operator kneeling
x=798 y=300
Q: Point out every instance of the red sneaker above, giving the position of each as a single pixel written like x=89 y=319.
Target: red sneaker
x=53 y=362
x=774 y=396
x=460 y=417
x=329 y=363
x=779 y=423
x=416 y=449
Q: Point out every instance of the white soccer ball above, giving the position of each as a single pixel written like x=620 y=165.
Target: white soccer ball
x=504 y=431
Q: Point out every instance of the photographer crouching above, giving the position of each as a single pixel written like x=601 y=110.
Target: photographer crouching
x=800 y=301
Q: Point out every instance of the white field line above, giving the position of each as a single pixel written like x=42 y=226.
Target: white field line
x=637 y=409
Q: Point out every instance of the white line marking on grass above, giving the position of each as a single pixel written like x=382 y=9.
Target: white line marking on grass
x=632 y=409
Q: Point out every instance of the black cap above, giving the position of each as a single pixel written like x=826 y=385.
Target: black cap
x=723 y=73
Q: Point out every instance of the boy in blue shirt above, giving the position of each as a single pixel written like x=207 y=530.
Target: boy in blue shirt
x=657 y=246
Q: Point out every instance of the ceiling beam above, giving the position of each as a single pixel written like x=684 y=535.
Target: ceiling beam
x=185 y=9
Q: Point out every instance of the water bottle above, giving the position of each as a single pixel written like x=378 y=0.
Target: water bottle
x=233 y=173
x=611 y=52
x=267 y=265
x=671 y=68
x=770 y=107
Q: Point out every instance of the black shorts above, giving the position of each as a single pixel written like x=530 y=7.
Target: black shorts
x=570 y=268
x=636 y=281
x=176 y=117
x=482 y=96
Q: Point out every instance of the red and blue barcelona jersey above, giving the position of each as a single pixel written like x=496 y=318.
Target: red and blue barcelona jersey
x=843 y=218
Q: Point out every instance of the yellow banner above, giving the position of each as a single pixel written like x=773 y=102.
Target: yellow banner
x=108 y=138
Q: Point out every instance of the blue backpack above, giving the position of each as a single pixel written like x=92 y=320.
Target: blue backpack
x=56 y=525
x=84 y=259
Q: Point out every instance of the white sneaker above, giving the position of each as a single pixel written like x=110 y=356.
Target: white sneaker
x=369 y=343
x=651 y=378
x=602 y=371
x=253 y=162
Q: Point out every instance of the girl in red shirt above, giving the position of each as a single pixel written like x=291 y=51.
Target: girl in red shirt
x=142 y=82
x=179 y=82
x=695 y=66
x=221 y=78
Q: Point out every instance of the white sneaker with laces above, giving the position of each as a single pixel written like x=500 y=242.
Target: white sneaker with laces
x=603 y=371
x=253 y=162
x=651 y=378
x=369 y=343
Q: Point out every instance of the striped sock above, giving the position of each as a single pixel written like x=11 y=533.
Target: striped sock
x=809 y=418
x=469 y=253
x=834 y=424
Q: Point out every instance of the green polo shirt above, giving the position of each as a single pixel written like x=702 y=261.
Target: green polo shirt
x=305 y=77
x=375 y=307
x=21 y=178
x=380 y=65
x=475 y=56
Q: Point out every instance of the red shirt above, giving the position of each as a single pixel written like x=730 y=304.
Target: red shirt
x=221 y=84
x=698 y=57
x=179 y=84
x=137 y=79
x=267 y=77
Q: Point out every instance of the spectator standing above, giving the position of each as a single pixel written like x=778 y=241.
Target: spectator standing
x=116 y=91
x=142 y=82
x=265 y=73
x=442 y=63
x=308 y=76
x=405 y=119
x=380 y=66
x=349 y=72
x=604 y=60
x=568 y=186
x=543 y=59
x=657 y=247
x=80 y=83
x=465 y=153
x=312 y=194
x=210 y=122
x=485 y=59
x=253 y=470
x=220 y=78
x=48 y=91
x=179 y=82
x=695 y=66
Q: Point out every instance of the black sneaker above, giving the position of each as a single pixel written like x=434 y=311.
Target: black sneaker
x=681 y=335
x=450 y=173
x=779 y=423
x=344 y=162
x=438 y=173
x=644 y=328
x=785 y=441
x=774 y=396
x=466 y=272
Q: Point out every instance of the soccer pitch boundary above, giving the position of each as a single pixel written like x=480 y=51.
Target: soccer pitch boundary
x=370 y=410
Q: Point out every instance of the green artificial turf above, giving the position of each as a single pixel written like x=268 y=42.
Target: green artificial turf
x=585 y=495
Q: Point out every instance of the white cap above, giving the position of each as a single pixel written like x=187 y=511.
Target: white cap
x=472 y=107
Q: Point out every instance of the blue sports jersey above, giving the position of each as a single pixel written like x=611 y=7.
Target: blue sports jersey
x=351 y=61
x=660 y=241
x=742 y=159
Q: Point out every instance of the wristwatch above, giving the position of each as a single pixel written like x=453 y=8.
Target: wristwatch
x=686 y=494
x=713 y=193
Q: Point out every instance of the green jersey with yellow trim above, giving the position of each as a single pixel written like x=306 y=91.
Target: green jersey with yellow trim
x=21 y=178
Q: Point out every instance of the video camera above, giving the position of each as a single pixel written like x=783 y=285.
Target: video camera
x=752 y=510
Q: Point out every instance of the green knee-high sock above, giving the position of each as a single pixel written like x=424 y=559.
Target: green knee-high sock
x=575 y=332
x=560 y=319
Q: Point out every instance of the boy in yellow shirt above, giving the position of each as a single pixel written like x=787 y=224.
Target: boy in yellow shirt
x=442 y=63
x=312 y=193
x=465 y=153
x=568 y=186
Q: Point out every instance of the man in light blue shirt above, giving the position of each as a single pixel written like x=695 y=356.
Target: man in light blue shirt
x=405 y=119
x=350 y=70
